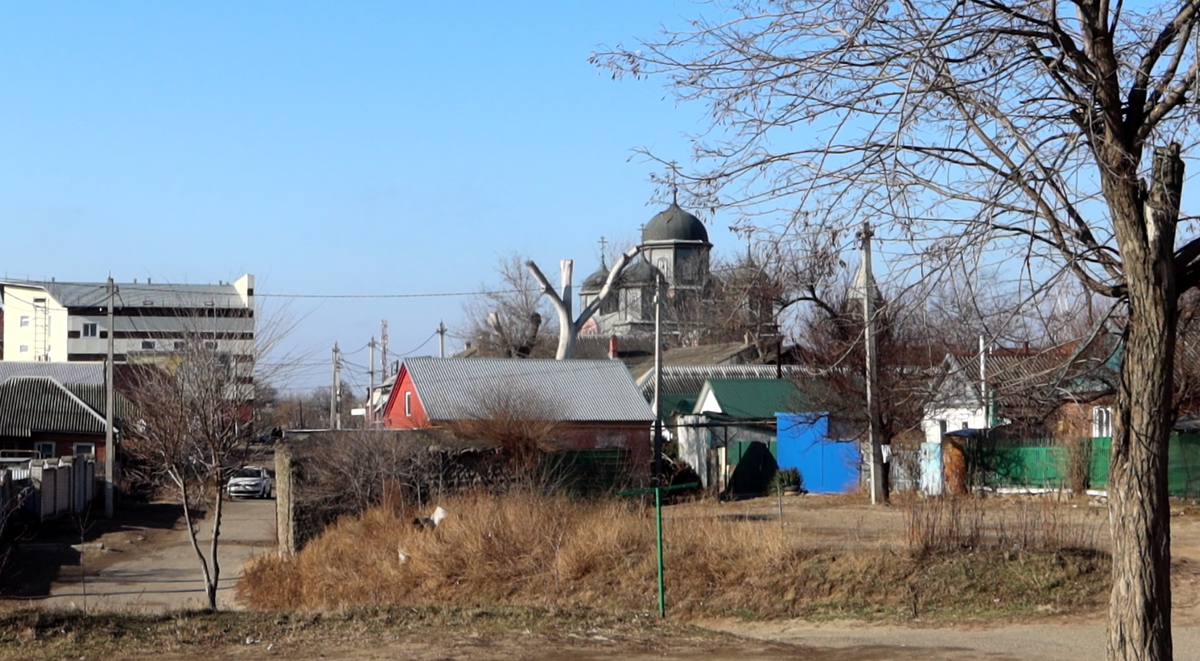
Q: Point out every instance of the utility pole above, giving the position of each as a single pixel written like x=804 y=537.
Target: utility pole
x=866 y=286
x=109 y=449
x=441 y=331
x=383 y=342
x=658 y=342
x=335 y=393
x=371 y=386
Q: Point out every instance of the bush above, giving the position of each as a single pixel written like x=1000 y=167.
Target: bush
x=786 y=478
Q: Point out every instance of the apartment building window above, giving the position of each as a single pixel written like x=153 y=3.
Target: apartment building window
x=90 y=330
x=45 y=449
x=147 y=345
x=24 y=322
x=24 y=348
x=1102 y=422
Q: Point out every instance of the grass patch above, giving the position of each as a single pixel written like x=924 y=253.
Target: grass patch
x=41 y=634
x=557 y=554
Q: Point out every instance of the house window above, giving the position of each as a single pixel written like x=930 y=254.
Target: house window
x=90 y=330
x=45 y=449
x=211 y=345
x=1101 y=422
x=24 y=321
x=408 y=404
x=179 y=345
x=85 y=448
x=24 y=348
x=147 y=345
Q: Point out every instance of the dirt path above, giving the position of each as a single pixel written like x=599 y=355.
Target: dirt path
x=1054 y=639
x=166 y=576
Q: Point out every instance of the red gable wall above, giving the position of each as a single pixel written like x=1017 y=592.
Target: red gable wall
x=393 y=413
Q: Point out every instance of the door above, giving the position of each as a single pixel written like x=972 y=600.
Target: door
x=931 y=468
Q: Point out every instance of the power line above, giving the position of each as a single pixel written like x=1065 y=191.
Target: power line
x=419 y=347
x=178 y=289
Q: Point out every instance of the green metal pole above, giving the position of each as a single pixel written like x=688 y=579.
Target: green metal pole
x=662 y=589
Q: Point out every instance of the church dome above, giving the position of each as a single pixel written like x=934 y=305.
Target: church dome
x=595 y=281
x=674 y=224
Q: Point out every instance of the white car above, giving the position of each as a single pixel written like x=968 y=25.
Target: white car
x=250 y=482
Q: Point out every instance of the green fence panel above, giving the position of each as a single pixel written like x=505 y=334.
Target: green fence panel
x=1183 y=465
x=737 y=449
x=1101 y=449
x=590 y=471
x=1023 y=463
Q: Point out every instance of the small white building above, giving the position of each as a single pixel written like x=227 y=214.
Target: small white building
x=67 y=321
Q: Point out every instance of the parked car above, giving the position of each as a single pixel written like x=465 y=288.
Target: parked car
x=250 y=482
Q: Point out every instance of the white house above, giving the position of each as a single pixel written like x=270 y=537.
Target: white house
x=958 y=402
x=67 y=321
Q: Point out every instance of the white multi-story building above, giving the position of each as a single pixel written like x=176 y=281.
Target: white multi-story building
x=67 y=321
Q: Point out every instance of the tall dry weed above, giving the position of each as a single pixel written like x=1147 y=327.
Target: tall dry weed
x=1039 y=523
x=526 y=549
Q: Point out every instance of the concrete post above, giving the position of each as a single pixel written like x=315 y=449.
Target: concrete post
x=285 y=522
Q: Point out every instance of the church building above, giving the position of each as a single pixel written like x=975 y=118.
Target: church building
x=675 y=248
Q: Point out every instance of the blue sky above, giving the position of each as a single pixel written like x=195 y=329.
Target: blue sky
x=328 y=148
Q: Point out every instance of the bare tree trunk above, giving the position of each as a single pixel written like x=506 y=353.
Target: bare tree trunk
x=214 y=579
x=187 y=519
x=1139 y=516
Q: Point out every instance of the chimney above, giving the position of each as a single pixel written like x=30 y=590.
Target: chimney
x=612 y=347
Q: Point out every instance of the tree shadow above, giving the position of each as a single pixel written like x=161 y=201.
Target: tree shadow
x=37 y=555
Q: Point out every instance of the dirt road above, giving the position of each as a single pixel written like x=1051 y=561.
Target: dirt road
x=167 y=576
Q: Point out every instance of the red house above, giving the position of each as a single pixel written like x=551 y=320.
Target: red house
x=596 y=402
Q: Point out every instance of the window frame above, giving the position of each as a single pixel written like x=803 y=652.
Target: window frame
x=90 y=326
x=37 y=447
x=408 y=404
x=1102 y=422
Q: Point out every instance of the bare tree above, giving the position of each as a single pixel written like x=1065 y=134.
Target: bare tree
x=1011 y=129
x=568 y=327
x=829 y=338
x=508 y=318
x=519 y=423
x=194 y=408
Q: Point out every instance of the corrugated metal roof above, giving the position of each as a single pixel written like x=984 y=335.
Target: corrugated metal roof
x=82 y=373
x=578 y=390
x=67 y=373
x=689 y=379
x=39 y=403
x=709 y=354
x=135 y=295
x=754 y=399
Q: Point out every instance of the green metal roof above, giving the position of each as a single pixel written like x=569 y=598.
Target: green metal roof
x=754 y=399
x=674 y=224
x=673 y=404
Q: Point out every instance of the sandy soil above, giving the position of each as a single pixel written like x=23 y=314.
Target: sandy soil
x=154 y=568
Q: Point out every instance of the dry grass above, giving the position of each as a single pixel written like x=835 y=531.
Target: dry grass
x=553 y=552
x=1037 y=524
x=417 y=634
